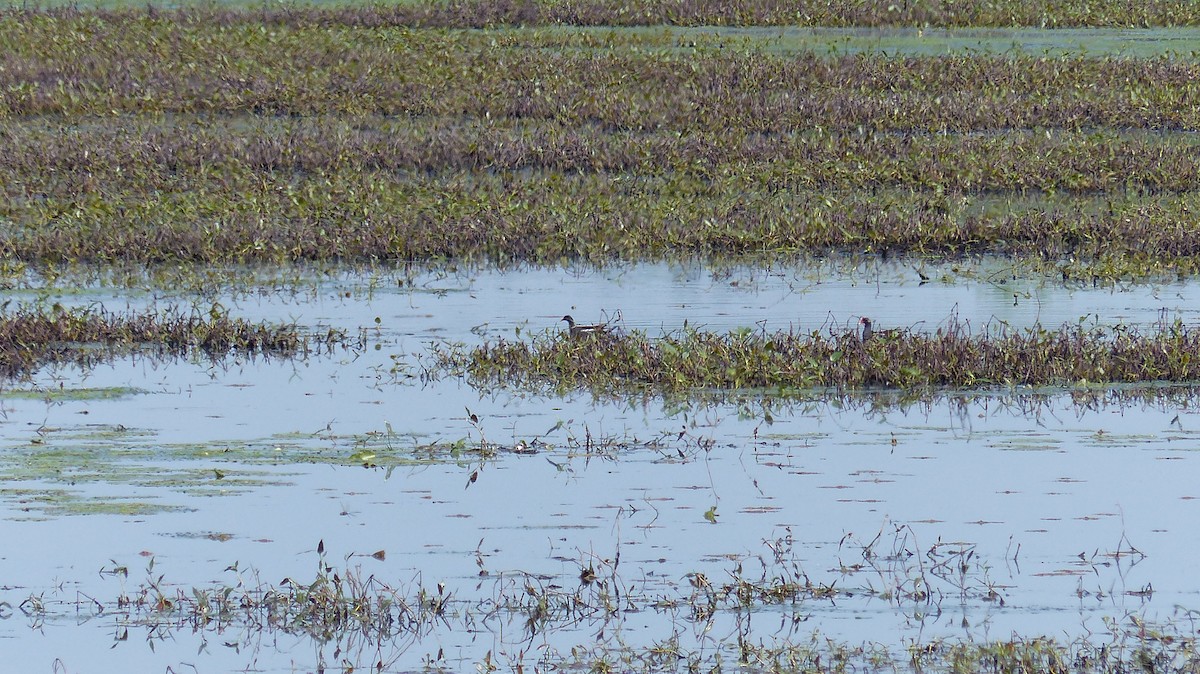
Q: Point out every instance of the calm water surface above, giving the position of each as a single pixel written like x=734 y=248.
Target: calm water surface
x=235 y=473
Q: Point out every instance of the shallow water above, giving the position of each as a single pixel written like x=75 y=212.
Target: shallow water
x=1071 y=514
x=926 y=41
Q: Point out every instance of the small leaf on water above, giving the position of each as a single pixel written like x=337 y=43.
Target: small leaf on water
x=711 y=515
x=379 y=554
x=219 y=474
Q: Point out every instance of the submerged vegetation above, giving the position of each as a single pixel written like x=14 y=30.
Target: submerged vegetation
x=189 y=135
x=953 y=357
x=30 y=338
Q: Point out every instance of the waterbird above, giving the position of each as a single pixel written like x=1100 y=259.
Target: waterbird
x=868 y=330
x=581 y=330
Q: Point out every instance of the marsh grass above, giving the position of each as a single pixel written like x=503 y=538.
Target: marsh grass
x=30 y=338
x=91 y=66
x=189 y=136
x=333 y=605
x=783 y=362
x=330 y=190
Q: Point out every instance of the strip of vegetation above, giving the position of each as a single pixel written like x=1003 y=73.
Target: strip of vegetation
x=130 y=64
x=481 y=13
x=550 y=219
x=137 y=155
x=319 y=191
x=953 y=357
x=31 y=338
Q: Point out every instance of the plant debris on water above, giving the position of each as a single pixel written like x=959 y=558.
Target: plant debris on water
x=952 y=357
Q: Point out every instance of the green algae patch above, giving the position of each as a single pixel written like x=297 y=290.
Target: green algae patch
x=294 y=449
x=113 y=469
x=49 y=502
x=136 y=468
x=90 y=454
x=205 y=481
x=83 y=394
x=107 y=469
x=110 y=506
x=374 y=449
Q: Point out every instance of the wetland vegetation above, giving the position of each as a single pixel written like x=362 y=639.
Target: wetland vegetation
x=31 y=338
x=591 y=133
x=365 y=616
x=188 y=135
x=952 y=357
